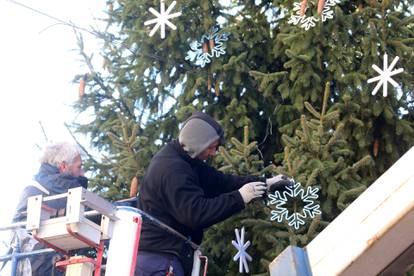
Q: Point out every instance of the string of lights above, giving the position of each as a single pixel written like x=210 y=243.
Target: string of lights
x=94 y=33
x=52 y=17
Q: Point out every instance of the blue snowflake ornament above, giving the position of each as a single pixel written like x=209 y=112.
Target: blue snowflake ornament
x=211 y=45
x=295 y=219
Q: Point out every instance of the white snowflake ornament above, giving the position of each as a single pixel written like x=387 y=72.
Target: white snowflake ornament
x=307 y=22
x=385 y=75
x=216 y=47
x=295 y=219
x=241 y=255
x=162 y=18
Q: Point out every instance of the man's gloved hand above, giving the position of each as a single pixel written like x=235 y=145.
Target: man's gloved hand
x=252 y=190
x=278 y=183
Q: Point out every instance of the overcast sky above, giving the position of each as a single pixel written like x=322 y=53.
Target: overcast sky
x=37 y=65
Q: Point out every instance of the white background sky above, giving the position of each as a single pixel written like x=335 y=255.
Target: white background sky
x=36 y=70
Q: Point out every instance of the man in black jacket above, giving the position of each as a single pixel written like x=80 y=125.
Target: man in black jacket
x=182 y=191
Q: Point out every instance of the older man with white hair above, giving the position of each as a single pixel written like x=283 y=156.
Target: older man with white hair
x=60 y=170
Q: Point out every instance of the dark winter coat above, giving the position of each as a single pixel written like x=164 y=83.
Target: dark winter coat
x=53 y=181
x=189 y=196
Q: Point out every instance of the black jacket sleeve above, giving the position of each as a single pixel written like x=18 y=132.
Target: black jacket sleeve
x=215 y=182
x=188 y=204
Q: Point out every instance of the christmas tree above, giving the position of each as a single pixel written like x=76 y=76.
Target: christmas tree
x=243 y=158
x=316 y=156
x=261 y=64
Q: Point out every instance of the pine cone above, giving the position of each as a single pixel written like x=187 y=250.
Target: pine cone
x=321 y=5
x=133 y=187
x=82 y=85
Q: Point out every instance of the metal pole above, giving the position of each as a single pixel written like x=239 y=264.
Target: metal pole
x=21 y=224
x=15 y=260
x=99 y=257
x=18 y=255
x=138 y=220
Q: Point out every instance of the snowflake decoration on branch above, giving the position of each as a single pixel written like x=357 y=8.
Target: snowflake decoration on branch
x=307 y=22
x=385 y=75
x=162 y=18
x=296 y=219
x=211 y=45
x=242 y=255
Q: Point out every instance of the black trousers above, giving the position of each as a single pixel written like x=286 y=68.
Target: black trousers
x=44 y=265
x=157 y=264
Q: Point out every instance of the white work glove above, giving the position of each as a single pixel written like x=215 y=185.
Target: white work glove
x=252 y=190
x=279 y=183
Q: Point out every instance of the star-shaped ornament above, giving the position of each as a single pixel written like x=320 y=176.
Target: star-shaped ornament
x=162 y=18
x=385 y=75
x=241 y=255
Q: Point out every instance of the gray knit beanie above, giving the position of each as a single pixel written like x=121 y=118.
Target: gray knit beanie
x=198 y=133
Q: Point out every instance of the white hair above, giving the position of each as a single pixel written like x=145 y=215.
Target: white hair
x=56 y=153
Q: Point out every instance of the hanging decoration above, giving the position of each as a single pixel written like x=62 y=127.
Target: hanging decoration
x=375 y=147
x=385 y=75
x=133 y=187
x=162 y=18
x=82 y=85
x=217 y=87
x=296 y=192
x=210 y=45
x=241 y=255
x=306 y=22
